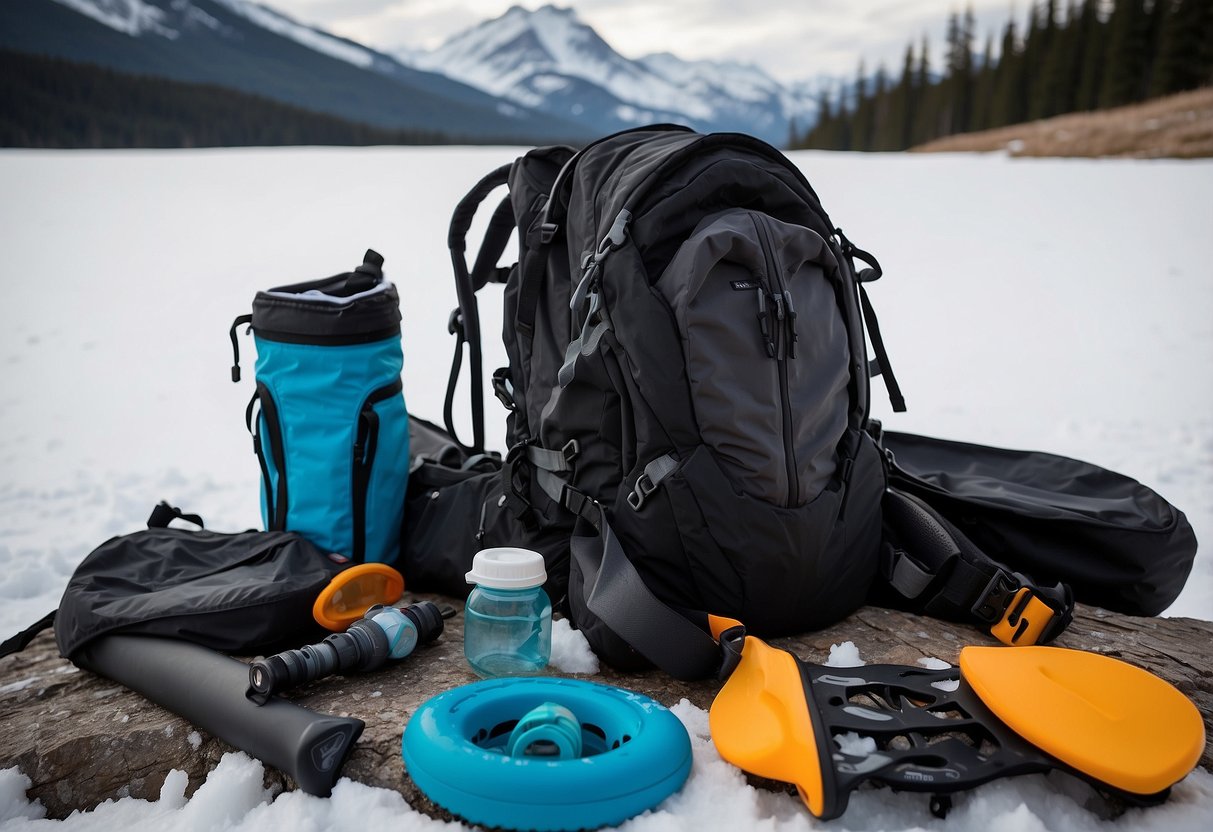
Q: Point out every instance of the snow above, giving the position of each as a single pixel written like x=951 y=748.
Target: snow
x=1054 y=305
x=571 y=652
x=135 y=17
x=322 y=42
x=844 y=655
x=131 y=17
x=502 y=56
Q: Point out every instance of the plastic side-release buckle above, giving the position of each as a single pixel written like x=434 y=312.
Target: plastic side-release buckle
x=1026 y=620
x=640 y=494
x=503 y=388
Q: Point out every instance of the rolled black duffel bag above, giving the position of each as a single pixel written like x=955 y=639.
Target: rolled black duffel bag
x=1116 y=543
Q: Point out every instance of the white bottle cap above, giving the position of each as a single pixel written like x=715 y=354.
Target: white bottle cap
x=507 y=568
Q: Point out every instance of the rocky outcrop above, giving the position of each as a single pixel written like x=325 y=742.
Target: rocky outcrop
x=82 y=739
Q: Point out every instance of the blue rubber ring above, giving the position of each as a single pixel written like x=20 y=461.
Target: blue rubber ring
x=636 y=753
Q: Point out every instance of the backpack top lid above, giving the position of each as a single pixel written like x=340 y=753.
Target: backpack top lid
x=688 y=173
x=355 y=307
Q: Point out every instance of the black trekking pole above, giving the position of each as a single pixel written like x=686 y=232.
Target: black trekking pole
x=382 y=633
x=203 y=686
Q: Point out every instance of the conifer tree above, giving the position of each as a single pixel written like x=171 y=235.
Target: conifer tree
x=924 y=115
x=1094 y=34
x=983 y=88
x=1126 y=53
x=1183 y=29
x=1051 y=70
x=962 y=114
x=905 y=102
x=862 y=122
x=881 y=126
x=1010 y=99
x=840 y=135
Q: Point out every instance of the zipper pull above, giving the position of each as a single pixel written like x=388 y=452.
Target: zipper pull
x=483 y=511
x=236 y=324
x=793 y=337
x=360 y=440
x=762 y=322
x=617 y=234
x=780 y=316
x=588 y=276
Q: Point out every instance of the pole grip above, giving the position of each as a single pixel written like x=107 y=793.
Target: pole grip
x=208 y=689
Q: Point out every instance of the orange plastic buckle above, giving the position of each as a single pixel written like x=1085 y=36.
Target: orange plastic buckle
x=1025 y=621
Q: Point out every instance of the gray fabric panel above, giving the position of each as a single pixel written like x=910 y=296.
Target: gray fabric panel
x=712 y=284
x=818 y=376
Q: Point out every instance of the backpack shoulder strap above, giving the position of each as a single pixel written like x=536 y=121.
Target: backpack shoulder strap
x=686 y=644
x=20 y=641
x=465 y=320
x=937 y=570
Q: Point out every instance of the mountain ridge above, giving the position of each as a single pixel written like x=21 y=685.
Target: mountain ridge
x=550 y=60
x=253 y=49
x=526 y=76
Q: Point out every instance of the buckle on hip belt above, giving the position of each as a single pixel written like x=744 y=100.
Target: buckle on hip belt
x=1016 y=612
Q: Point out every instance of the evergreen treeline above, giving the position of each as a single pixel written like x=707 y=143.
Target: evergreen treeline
x=47 y=102
x=1094 y=54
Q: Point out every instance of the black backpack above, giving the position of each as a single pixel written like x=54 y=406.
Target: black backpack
x=688 y=378
x=690 y=445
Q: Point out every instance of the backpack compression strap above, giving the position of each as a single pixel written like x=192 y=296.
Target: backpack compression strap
x=939 y=571
x=879 y=365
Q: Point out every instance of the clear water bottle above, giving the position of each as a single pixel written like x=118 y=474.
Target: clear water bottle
x=507 y=624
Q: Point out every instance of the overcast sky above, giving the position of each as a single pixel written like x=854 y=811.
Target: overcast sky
x=790 y=39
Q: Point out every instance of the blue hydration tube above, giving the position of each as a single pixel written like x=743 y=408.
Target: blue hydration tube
x=545 y=753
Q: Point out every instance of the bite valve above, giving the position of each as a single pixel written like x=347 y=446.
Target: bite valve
x=382 y=633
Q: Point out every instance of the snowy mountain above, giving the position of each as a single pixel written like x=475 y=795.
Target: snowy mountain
x=551 y=61
x=252 y=48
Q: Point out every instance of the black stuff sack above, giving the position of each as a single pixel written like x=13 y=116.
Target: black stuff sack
x=242 y=593
x=457 y=506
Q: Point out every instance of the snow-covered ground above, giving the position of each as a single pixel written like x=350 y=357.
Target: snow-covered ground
x=1056 y=305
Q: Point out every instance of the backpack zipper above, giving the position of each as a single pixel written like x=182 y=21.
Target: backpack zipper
x=275 y=498
x=366 y=441
x=781 y=345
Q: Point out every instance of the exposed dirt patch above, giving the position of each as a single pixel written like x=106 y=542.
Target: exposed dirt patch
x=1176 y=127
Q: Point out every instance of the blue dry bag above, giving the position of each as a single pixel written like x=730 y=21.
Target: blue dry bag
x=328 y=419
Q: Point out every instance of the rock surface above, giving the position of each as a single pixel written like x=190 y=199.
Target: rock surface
x=82 y=739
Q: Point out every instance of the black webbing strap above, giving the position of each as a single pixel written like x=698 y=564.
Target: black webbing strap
x=533 y=263
x=883 y=368
x=20 y=641
x=240 y=321
x=880 y=366
x=455 y=326
x=496 y=237
x=935 y=567
x=465 y=321
x=163 y=514
x=615 y=592
x=687 y=644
